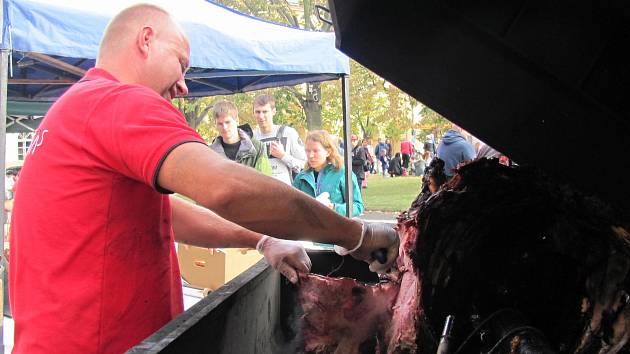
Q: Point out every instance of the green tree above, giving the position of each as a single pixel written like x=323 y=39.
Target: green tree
x=376 y=106
x=194 y=109
x=432 y=122
x=400 y=113
x=297 y=16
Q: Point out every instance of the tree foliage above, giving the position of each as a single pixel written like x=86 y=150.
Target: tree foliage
x=377 y=108
x=432 y=122
x=297 y=15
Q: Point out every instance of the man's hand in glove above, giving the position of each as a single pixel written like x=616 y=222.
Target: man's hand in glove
x=287 y=257
x=376 y=237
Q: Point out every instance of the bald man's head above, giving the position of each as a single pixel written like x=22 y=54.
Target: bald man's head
x=122 y=29
x=144 y=45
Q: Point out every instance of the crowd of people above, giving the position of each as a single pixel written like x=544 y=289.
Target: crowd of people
x=381 y=159
x=314 y=167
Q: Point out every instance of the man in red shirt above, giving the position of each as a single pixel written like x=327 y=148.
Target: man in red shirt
x=406 y=148
x=93 y=267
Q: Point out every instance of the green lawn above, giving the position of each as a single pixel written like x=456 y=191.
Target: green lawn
x=390 y=194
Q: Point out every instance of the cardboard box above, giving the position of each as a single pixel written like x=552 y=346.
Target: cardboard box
x=210 y=268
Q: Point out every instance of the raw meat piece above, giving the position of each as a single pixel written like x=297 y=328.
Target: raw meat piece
x=341 y=313
x=401 y=332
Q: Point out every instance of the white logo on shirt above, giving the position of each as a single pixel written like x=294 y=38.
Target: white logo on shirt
x=38 y=140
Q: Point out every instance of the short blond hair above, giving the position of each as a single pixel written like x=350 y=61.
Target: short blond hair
x=225 y=108
x=324 y=138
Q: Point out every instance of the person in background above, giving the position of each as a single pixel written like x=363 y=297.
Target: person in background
x=9 y=181
x=359 y=159
x=371 y=161
x=432 y=180
x=380 y=145
x=283 y=143
x=419 y=164
x=234 y=143
x=384 y=161
x=339 y=143
x=388 y=144
x=406 y=148
x=93 y=263
x=454 y=149
x=10 y=186
x=429 y=146
x=323 y=176
x=395 y=166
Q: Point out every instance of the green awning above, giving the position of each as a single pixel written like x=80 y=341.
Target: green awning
x=25 y=108
x=24 y=116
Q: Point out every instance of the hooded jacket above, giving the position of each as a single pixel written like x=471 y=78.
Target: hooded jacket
x=250 y=153
x=332 y=181
x=454 y=149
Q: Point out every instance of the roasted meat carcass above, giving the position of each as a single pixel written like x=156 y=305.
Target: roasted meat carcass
x=523 y=264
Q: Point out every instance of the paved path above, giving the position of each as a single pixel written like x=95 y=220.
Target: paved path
x=379 y=216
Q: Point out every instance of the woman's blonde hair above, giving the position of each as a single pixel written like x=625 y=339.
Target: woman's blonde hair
x=322 y=137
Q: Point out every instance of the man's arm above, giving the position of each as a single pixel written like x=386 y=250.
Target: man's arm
x=197 y=226
x=250 y=199
x=296 y=156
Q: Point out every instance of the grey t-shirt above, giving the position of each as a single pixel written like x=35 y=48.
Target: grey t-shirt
x=295 y=156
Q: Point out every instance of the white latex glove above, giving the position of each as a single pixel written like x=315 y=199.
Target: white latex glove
x=375 y=237
x=324 y=198
x=287 y=257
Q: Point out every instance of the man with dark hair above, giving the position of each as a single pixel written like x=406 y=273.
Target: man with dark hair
x=93 y=263
x=359 y=159
x=234 y=143
x=284 y=146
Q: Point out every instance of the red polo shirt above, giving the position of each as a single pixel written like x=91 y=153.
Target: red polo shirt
x=93 y=266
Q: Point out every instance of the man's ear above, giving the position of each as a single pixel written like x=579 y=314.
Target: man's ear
x=144 y=40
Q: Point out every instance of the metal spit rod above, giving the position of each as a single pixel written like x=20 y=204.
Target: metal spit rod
x=445 y=339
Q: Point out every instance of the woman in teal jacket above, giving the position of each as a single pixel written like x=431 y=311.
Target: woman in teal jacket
x=323 y=174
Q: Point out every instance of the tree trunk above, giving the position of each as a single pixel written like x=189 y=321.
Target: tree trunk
x=193 y=111
x=312 y=108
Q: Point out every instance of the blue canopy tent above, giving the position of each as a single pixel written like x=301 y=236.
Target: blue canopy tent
x=47 y=45
x=54 y=42
x=51 y=43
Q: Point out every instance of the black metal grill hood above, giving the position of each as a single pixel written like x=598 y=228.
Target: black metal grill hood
x=545 y=82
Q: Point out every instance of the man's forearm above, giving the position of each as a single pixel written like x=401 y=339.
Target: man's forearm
x=248 y=198
x=201 y=227
x=273 y=208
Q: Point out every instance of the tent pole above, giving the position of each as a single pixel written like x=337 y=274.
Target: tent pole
x=4 y=65
x=347 y=132
x=4 y=76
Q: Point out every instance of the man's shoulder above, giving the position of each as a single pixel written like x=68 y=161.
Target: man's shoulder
x=287 y=131
x=257 y=143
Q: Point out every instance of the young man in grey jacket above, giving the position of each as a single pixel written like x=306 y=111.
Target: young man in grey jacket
x=284 y=146
x=234 y=143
